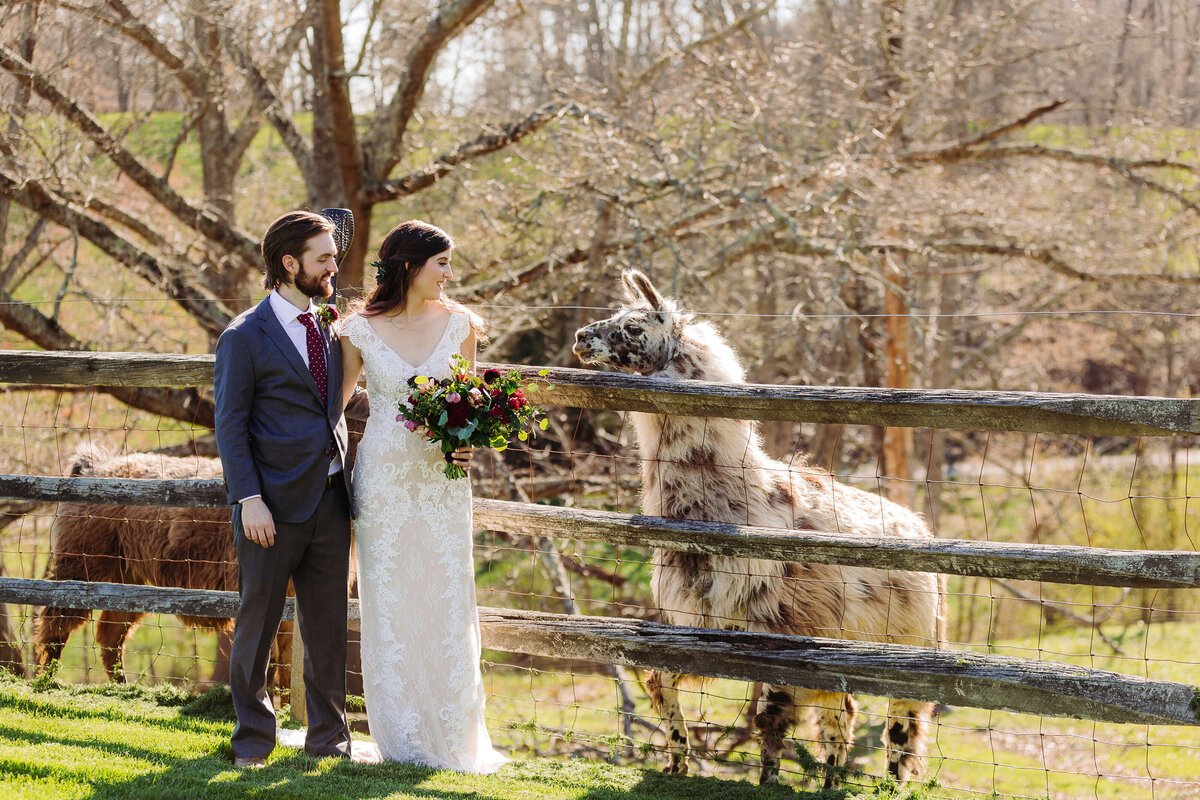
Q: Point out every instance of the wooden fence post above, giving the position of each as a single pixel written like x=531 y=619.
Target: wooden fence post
x=296 y=693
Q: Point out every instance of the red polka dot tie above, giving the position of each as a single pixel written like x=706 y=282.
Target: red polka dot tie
x=316 y=354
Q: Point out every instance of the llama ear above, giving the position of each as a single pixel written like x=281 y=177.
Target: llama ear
x=638 y=285
x=632 y=294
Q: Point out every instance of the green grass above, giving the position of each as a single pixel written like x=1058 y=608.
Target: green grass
x=130 y=742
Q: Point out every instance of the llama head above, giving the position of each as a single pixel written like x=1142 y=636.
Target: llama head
x=641 y=337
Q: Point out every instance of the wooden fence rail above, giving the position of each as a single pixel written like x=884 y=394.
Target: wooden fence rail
x=1053 y=563
x=919 y=673
x=1082 y=414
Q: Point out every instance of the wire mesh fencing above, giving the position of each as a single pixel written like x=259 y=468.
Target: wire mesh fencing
x=1124 y=493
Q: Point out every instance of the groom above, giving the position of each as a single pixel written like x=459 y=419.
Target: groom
x=282 y=440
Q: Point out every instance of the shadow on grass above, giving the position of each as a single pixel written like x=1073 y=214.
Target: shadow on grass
x=202 y=721
x=675 y=787
x=604 y=782
x=291 y=774
x=115 y=747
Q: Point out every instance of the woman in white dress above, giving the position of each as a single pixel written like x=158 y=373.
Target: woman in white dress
x=416 y=578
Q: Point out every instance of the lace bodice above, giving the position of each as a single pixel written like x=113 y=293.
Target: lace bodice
x=420 y=630
x=390 y=371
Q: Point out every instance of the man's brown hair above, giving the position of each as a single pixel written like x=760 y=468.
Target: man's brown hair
x=287 y=236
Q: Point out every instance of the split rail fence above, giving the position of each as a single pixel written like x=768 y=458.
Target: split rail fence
x=947 y=676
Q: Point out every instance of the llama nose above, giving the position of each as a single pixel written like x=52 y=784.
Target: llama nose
x=581 y=345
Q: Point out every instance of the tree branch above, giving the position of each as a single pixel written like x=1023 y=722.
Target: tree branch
x=251 y=124
x=203 y=222
x=192 y=80
x=272 y=108
x=956 y=151
x=482 y=145
x=208 y=311
x=739 y=24
x=793 y=244
x=382 y=145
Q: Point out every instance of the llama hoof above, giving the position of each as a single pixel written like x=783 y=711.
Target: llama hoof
x=676 y=768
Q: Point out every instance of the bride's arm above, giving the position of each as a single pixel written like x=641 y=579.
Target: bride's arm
x=351 y=368
x=468 y=350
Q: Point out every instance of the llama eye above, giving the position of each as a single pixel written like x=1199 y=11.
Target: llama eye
x=634 y=330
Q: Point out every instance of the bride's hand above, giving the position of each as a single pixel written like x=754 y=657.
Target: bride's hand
x=462 y=456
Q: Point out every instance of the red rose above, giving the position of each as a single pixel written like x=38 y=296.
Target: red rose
x=514 y=402
x=496 y=411
x=457 y=413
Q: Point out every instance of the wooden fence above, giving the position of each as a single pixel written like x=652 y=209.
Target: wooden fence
x=946 y=676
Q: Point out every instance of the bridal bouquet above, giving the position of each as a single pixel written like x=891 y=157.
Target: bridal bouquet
x=467 y=410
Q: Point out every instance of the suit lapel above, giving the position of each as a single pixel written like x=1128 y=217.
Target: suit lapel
x=275 y=332
x=333 y=366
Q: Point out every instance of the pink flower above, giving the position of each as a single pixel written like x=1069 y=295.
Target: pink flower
x=410 y=424
x=453 y=397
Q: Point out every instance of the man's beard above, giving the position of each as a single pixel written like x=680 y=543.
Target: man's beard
x=313 y=287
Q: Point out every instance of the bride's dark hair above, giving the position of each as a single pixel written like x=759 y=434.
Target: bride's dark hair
x=402 y=253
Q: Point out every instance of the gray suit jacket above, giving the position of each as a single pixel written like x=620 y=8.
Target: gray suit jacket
x=274 y=435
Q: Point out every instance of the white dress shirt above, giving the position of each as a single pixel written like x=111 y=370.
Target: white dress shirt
x=289 y=318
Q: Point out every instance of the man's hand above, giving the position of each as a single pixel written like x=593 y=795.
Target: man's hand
x=462 y=456
x=257 y=522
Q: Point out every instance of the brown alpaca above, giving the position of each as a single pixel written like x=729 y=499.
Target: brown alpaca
x=714 y=470
x=190 y=548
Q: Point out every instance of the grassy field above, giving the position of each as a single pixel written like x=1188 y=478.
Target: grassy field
x=130 y=742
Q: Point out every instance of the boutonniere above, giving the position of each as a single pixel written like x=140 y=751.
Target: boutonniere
x=327 y=313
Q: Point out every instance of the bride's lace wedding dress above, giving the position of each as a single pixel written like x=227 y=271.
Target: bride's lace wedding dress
x=416 y=577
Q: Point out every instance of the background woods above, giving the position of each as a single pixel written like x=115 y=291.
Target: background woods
x=811 y=165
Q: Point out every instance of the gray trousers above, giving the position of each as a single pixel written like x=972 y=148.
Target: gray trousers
x=315 y=555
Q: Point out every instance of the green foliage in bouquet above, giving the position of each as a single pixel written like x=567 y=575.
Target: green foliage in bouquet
x=468 y=410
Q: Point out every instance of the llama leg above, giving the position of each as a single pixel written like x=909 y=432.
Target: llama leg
x=835 y=731
x=112 y=628
x=906 y=735
x=774 y=721
x=54 y=627
x=663 y=688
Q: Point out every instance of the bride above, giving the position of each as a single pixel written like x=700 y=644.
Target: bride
x=420 y=629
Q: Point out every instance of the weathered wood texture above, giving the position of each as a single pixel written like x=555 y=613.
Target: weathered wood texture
x=1091 y=415
x=59 y=368
x=951 y=677
x=1053 y=563
x=956 y=409
x=132 y=597
x=917 y=673
x=115 y=491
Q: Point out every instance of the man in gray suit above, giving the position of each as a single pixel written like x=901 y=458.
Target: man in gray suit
x=281 y=435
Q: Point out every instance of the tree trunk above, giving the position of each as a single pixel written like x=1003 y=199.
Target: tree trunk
x=897 y=442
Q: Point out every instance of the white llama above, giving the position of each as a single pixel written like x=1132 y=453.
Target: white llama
x=714 y=470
